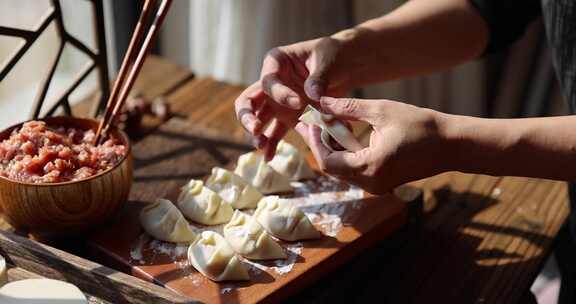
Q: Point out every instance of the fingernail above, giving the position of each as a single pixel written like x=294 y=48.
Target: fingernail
x=315 y=91
x=255 y=142
x=256 y=128
x=259 y=141
x=299 y=127
x=294 y=102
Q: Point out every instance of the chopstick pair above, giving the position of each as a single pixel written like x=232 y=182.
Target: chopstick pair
x=138 y=48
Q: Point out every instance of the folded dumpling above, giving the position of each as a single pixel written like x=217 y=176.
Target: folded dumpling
x=203 y=205
x=163 y=221
x=211 y=255
x=253 y=168
x=289 y=162
x=233 y=189
x=283 y=220
x=249 y=239
x=331 y=127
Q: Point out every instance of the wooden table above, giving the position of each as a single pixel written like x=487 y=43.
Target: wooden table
x=480 y=239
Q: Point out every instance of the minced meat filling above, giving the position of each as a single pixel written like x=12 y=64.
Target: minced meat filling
x=36 y=153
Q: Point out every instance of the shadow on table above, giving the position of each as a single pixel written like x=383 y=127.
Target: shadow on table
x=170 y=155
x=443 y=259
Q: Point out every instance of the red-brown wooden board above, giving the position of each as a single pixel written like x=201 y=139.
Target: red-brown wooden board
x=178 y=151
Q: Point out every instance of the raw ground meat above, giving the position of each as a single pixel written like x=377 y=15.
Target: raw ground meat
x=37 y=153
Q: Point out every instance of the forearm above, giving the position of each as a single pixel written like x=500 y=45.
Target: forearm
x=533 y=147
x=419 y=37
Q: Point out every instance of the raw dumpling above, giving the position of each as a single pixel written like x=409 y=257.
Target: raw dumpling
x=203 y=205
x=246 y=237
x=41 y=291
x=252 y=167
x=214 y=258
x=331 y=128
x=284 y=220
x=3 y=271
x=289 y=162
x=163 y=221
x=233 y=189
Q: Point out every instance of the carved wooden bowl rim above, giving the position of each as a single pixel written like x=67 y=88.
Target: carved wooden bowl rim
x=82 y=123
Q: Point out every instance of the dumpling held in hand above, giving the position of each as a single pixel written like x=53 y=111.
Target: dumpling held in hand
x=254 y=169
x=214 y=258
x=283 y=220
x=331 y=128
x=246 y=237
x=233 y=189
x=203 y=205
x=163 y=221
x=289 y=162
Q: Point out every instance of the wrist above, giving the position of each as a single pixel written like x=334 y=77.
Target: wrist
x=478 y=145
x=453 y=138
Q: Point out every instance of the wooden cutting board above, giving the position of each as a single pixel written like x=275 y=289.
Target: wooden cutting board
x=178 y=151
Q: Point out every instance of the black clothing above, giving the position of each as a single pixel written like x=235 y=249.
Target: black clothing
x=507 y=21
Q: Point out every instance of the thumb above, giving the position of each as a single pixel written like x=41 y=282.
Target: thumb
x=350 y=108
x=316 y=83
x=318 y=66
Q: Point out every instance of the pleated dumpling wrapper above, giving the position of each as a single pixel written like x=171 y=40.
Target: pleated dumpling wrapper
x=247 y=237
x=289 y=162
x=253 y=168
x=213 y=257
x=233 y=189
x=203 y=205
x=284 y=220
x=331 y=128
x=163 y=221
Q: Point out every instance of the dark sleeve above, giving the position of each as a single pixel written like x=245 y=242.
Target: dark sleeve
x=506 y=19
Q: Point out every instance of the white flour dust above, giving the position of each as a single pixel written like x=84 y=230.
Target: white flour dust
x=293 y=252
x=326 y=203
x=146 y=250
x=136 y=252
x=281 y=267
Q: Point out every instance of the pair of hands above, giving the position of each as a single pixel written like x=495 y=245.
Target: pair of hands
x=291 y=77
x=406 y=142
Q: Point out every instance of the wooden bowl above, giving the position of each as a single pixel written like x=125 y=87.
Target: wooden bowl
x=61 y=210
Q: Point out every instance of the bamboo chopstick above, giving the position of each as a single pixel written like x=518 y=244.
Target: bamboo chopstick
x=129 y=57
x=126 y=79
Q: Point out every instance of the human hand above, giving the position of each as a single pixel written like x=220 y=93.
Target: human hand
x=292 y=76
x=407 y=143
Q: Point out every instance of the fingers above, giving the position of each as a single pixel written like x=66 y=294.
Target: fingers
x=319 y=64
x=311 y=135
x=316 y=83
x=347 y=165
x=352 y=109
x=276 y=63
x=246 y=106
x=274 y=133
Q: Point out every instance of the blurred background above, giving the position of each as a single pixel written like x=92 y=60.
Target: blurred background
x=227 y=39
